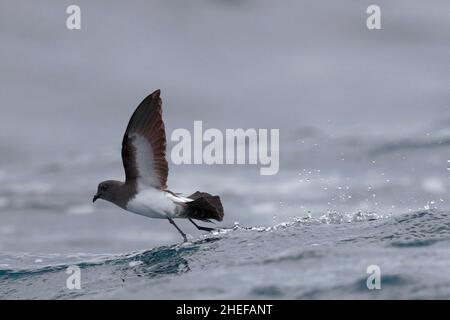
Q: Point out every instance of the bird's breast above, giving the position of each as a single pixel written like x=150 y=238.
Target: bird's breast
x=152 y=203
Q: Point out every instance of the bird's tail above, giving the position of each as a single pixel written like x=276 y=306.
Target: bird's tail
x=204 y=207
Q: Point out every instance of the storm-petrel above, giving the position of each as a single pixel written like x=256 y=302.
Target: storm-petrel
x=145 y=188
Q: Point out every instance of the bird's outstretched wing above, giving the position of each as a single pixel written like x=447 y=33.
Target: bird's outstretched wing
x=144 y=145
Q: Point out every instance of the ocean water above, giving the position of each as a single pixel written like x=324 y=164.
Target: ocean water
x=302 y=235
x=307 y=258
x=364 y=121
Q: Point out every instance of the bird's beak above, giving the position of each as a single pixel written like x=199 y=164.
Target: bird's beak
x=96 y=197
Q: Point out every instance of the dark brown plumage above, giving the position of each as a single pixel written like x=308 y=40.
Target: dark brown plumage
x=204 y=207
x=147 y=122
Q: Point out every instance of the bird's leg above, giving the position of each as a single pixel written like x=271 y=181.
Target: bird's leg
x=200 y=227
x=179 y=230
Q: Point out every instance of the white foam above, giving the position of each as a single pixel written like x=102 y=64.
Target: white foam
x=135 y=263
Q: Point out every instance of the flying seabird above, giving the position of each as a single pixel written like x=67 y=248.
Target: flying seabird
x=145 y=188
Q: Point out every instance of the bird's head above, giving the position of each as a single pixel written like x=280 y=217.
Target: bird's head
x=108 y=190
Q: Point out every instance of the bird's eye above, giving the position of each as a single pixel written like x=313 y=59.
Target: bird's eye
x=104 y=187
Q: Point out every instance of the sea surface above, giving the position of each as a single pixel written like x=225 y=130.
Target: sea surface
x=300 y=235
x=364 y=120
x=324 y=258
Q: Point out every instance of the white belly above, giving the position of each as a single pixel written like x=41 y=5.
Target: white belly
x=153 y=203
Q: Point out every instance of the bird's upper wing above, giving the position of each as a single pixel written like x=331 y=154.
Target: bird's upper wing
x=144 y=145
